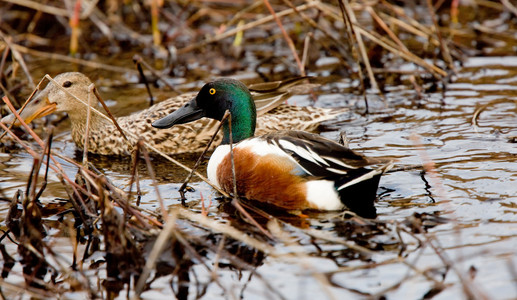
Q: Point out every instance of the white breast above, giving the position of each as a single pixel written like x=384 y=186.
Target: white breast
x=215 y=160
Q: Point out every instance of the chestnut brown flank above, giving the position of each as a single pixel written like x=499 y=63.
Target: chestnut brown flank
x=264 y=178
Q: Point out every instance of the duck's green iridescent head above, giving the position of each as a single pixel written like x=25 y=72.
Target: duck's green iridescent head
x=212 y=101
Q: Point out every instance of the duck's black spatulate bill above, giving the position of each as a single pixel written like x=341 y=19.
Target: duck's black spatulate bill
x=187 y=113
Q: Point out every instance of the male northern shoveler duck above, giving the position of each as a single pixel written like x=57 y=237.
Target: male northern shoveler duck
x=105 y=139
x=294 y=170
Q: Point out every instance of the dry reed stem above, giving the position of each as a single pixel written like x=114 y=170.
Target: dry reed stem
x=41 y=7
x=371 y=265
x=150 y=169
x=194 y=254
x=429 y=166
x=315 y=25
x=91 y=89
x=446 y=54
x=66 y=273
x=289 y=41
x=236 y=203
x=23 y=107
x=26 y=290
x=113 y=119
x=228 y=230
x=411 y=29
x=98 y=20
x=119 y=197
x=473 y=291
x=326 y=236
x=385 y=27
x=159 y=246
x=305 y=53
x=204 y=211
x=138 y=60
x=388 y=45
x=416 y=86
x=52 y=10
x=400 y=12
x=135 y=209
x=234 y=175
x=509 y=6
x=348 y=14
x=241 y=13
x=201 y=157
x=243 y=237
x=66 y=58
x=19 y=58
x=411 y=267
x=144 y=79
x=46 y=151
x=134 y=176
x=220 y=248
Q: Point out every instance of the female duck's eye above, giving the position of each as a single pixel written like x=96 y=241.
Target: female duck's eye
x=211 y=91
x=67 y=84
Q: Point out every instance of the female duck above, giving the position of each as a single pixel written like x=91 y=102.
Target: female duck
x=289 y=169
x=104 y=138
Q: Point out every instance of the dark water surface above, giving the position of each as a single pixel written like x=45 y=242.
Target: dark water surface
x=474 y=190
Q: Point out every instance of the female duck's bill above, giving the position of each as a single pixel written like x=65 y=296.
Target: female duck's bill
x=38 y=107
x=290 y=169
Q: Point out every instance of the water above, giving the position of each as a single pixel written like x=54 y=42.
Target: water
x=474 y=190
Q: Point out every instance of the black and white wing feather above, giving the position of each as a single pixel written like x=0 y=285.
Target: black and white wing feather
x=321 y=157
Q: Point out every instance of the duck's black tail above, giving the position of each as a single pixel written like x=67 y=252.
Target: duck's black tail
x=358 y=190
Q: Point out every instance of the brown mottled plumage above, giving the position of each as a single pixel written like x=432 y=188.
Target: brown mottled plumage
x=105 y=139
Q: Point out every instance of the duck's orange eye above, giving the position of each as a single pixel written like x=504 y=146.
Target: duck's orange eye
x=212 y=91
